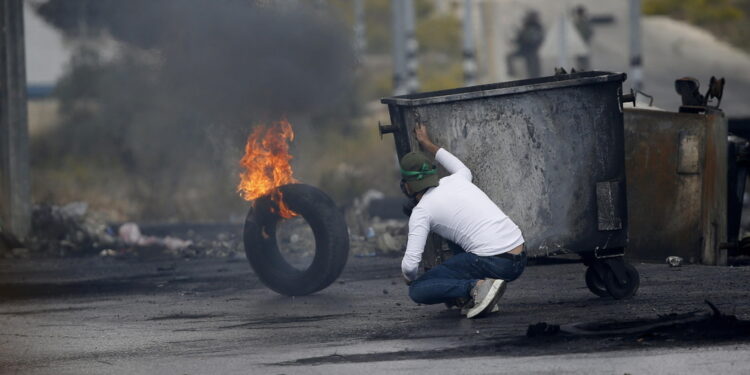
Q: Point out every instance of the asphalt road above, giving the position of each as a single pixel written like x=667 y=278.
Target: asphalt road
x=105 y=315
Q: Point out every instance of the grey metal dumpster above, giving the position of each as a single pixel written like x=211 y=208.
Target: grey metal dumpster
x=549 y=152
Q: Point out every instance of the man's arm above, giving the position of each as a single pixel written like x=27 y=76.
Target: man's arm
x=419 y=229
x=452 y=164
x=420 y=131
x=441 y=155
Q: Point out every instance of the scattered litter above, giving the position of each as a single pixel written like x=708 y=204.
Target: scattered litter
x=357 y=216
x=376 y=225
x=130 y=233
x=71 y=229
x=175 y=244
x=386 y=243
x=107 y=253
x=370 y=233
x=674 y=261
x=75 y=229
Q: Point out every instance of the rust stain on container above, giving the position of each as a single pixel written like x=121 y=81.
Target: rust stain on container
x=676 y=171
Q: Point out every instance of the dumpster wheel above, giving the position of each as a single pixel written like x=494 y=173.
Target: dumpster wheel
x=623 y=285
x=595 y=283
x=331 y=241
x=612 y=277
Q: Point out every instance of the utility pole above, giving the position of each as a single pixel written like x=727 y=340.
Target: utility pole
x=412 y=47
x=562 y=35
x=469 y=53
x=399 y=48
x=15 y=207
x=360 y=41
x=405 y=48
x=636 y=58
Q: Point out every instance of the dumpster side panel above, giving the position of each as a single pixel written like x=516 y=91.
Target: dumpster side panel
x=675 y=166
x=714 y=197
x=540 y=155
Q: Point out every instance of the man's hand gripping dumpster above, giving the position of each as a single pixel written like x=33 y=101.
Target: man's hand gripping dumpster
x=489 y=251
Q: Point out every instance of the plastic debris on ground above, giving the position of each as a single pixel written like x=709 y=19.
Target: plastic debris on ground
x=75 y=230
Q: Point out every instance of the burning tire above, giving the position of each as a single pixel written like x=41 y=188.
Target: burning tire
x=331 y=241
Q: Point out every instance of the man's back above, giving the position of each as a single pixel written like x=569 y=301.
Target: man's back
x=461 y=212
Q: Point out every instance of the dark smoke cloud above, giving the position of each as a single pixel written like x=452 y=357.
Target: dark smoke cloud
x=175 y=106
x=227 y=55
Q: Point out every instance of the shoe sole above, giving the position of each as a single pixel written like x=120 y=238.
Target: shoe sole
x=495 y=308
x=496 y=291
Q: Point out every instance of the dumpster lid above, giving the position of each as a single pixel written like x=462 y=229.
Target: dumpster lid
x=505 y=88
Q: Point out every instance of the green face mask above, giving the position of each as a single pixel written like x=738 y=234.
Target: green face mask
x=426 y=170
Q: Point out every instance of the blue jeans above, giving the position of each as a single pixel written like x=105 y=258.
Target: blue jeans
x=455 y=277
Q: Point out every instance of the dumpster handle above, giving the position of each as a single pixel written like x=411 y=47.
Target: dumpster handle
x=625 y=98
x=650 y=97
x=385 y=129
x=631 y=97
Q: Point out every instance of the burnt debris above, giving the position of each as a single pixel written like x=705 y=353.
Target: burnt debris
x=689 y=327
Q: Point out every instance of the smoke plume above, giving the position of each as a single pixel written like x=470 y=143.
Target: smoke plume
x=174 y=105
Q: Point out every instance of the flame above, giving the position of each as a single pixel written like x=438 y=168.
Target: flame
x=266 y=164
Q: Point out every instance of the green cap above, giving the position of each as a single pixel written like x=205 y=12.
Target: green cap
x=418 y=171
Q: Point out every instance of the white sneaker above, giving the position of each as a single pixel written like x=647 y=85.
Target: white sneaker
x=485 y=295
x=465 y=309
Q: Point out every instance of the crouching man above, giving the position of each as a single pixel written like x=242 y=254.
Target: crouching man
x=491 y=246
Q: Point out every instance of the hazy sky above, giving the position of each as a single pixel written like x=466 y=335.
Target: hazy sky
x=46 y=55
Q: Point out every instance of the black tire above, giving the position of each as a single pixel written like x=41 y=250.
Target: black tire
x=595 y=283
x=618 y=290
x=331 y=241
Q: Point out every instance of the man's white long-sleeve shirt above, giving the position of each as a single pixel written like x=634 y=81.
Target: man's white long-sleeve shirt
x=460 y=212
